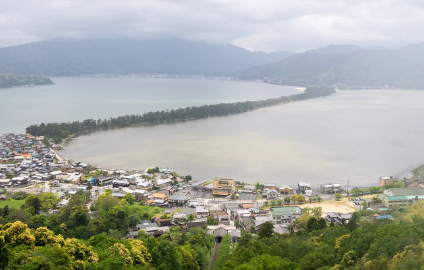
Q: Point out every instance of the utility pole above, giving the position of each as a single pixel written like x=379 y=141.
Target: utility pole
x=347 y=189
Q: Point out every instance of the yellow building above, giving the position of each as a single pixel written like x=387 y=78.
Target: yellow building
x=223 y=186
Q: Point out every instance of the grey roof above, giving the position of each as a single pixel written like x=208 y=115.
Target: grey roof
x=304 y=184
x=133 y=233
x=281 y=229
x=236 y=233
x=178 y=198
x=201 y=209
x=231 y=205
x=117 y=194
x=195 y=224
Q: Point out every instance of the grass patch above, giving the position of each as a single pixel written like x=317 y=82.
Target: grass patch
x=12 y=203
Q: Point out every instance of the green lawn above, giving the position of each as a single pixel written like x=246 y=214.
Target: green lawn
x=12 y=203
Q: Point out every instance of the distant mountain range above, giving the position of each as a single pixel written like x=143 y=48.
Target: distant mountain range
x=346 y=66
x=169 y=56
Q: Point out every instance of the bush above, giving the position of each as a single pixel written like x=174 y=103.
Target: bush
x=19 y=195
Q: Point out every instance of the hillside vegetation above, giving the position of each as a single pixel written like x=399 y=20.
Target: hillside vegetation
x=73 y=240
x=10 y=80
x=346 y=66
x=168 y=56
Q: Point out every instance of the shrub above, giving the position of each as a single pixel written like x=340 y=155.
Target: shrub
x=19 y=195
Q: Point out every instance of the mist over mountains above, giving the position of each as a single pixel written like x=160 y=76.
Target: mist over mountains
x=347 y=66
x=169 y=56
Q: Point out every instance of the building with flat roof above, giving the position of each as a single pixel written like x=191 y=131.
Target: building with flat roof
x=285 y=215
x=223 y=186
x=329 y=188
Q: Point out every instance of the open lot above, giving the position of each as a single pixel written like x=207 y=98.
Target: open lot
x=12 y=203
x=343 y=206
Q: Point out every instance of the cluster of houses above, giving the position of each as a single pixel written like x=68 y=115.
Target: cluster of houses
x=24 y=158
x=227 y=187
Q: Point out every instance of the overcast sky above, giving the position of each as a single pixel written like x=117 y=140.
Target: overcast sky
x=267 y=25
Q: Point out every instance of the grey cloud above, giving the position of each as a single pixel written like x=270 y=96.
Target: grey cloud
x=267 y=25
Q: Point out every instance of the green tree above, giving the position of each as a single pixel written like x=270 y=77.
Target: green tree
x=210 y=220
x=267 y=262
x=6 y=211
x=89 y=186
x=351 y=225
x=165 y=256
x=398 y=184
x=355 y=217
x=223 y=252
x=317 y=212
x=191 y=217
x=319 y=198
x=266 y=230
x=108 y=202
x=4 y=253
x=48 y=200
x=287 y=200
x=312 y=224
x=187 y=178
x=338 y=196
x=33 y=204
x=322 y=223
x=129 y=198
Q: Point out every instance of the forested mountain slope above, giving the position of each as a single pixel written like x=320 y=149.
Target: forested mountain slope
x=171 y=56
x=346 y=65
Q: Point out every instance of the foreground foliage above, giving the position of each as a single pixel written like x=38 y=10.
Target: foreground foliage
x=366 y=245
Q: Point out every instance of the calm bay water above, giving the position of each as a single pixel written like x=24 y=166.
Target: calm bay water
x=355 y=135
x=73 y=99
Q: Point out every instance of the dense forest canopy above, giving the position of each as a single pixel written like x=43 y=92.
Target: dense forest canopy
x=60 y=131
x=11 y=80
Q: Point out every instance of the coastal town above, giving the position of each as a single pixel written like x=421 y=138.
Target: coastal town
x=30 y=164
